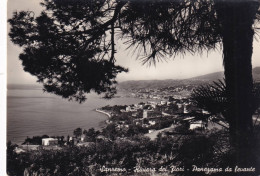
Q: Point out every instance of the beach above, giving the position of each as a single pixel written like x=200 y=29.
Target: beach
x=103 y=112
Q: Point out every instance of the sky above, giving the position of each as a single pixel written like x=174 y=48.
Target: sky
x=175 y=68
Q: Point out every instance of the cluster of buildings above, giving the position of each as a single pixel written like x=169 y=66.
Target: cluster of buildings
x=161 y=98
x=179 y=98
x=179 y=91
x=179 y=109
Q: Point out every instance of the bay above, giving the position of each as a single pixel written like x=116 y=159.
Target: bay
x=30 y=112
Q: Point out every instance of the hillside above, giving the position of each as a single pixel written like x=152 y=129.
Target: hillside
x=209 y=77
x=203 y=79
x=159 y=83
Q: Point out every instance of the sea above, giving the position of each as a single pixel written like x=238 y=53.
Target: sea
x=31 y=112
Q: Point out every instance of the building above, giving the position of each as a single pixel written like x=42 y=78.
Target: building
x=165 y=114
x=179 y=105
x=205 y=112
x=150 y=131
x=152 y=122
x=197 y=124
x=128 y=108
x=185 y=111
x=49 y=141
x=82 y=137
x=134 y=114
x=163 y=102
x=144 y=114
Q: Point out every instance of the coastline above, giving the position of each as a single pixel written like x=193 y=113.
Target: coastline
x=103 y=112
x=23 y=122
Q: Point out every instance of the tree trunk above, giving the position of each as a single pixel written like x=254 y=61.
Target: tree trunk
x=236 y=19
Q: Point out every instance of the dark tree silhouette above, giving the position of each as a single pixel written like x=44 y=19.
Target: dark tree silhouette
x=214 y=98
x=67 y=47
x=71 y=47
x=77 y=132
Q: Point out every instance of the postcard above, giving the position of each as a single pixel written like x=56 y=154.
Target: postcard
x=125 y=87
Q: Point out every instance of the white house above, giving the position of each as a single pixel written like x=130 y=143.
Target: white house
x=163 y=102
x=152 y=122
x=189 y=118
x=179 y=105
x=150 y=131
x=128 y=108
x=205 y=112
x=49 y=141
x=144 y=114
x=185 y=111
x=82 y=137
x=165 y=114
x=153 y=105
x=197 y=124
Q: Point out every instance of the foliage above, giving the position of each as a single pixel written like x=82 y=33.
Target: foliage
x=135 y=130
x=67 y=47
x=163 y=123
x=77 y=132
x=162 y=28
x=215 y=99
x=173 y=108
x=115 y=109
x=35 y=140
x=126 y=117
x=91 y=134
x=110 y=131
x=177 y=150
x=70 y=47
x=212 y=98
x=13 y=166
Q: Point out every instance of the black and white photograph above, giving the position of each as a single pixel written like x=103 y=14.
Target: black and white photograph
x=133 y=87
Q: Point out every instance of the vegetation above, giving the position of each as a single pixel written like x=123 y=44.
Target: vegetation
x=37 y=140
x=77 y=132
x=116 y=109
x=215 y=98
x=91 y=134
x=136 y=151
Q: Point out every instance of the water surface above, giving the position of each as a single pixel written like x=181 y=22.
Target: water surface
x=30 y=112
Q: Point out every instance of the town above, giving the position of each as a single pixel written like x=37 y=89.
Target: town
x=163 y=116
x=158 y=93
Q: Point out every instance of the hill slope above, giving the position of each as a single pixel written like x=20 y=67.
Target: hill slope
x=203 y=79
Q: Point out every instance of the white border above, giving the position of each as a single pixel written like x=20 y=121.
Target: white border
x=3 y=84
